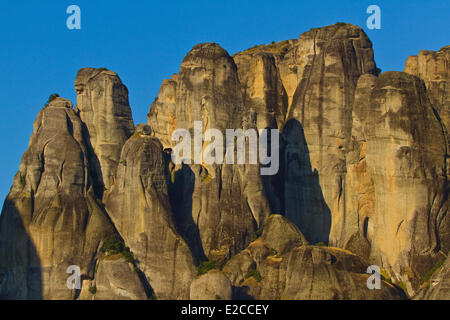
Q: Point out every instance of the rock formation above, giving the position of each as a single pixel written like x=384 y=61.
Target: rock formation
x=218 y=207
x=102 y=103
x=362 y=181
x=286 y=267
x=211 y=286
x=51 y=219
x=138 y=204
x=432 y=68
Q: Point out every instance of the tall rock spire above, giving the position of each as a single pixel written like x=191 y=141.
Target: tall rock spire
x=50 y=219
x=102 y=103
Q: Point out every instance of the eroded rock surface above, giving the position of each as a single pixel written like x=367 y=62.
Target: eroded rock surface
x=50 y=219
x=139 y=206
x=438 y=286
x=213 y=285
x=115 y=279
x=363 y=180
x=433 y=68
x=218 y=207
x=102 y=103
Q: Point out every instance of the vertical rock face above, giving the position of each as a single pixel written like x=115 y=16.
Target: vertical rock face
x=438 y=286
x=115 y=279
x=351 y=228
x=330 y=181
x=102 y=103
x=406 y=151
x=322 y=106
x=262 y=89
x=139 y=206
x=433 y=68
x=218 y=207
x=363 y=169
x=50 y=219
x=206 y=89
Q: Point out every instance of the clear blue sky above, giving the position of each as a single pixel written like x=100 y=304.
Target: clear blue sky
x=145 y=42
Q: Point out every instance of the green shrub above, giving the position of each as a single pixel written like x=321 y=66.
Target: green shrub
x=284 y=48
x=114 y=245
x=258 y=233
x=273 y=252
x=207 y=178
x=93 y=290
x=385 y=276
x=255 y=274
x=52 y=97
x=218 y=297
x=22 y=179
x=403 y=286
x=433 y=270
x=206 y=266
x=128 y=255
x=100 y=202
x=321 y=244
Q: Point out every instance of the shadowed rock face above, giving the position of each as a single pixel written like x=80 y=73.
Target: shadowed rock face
x=217 y=207
x=438 y=287
x=330 y=183
x=139 y=206
x=296 y=270
x=333 y=58
x=318 y=73
x=102 y=103
x=363 y=181
x=432 y=67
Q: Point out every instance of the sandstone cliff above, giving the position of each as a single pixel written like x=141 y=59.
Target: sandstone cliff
x=363 y=180
x=51 y=219
x=102 y=104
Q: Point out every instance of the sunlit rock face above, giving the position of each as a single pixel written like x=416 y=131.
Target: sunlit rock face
x=217 y=207
x=362 y=180
x=406 y=156
x=432 y=68
x=139 y=206
x=345 y=167
x=102 y=103
x=50 y=219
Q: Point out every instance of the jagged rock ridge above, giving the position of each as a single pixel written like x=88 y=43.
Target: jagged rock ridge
x=363 y=180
